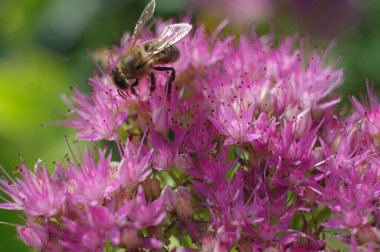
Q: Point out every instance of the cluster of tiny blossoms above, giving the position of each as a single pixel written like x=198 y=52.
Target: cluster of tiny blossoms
x=247 y=153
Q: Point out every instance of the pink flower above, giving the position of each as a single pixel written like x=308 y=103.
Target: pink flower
x=145 y=214
x=86 y=230
x=198 y=49
x=166 y=148
x=358 y=190
x=34 y=235
x=232 y=114
x=90 y=203
x=293 y=157
x=87 y=182
x=369 y=115
x=36 y=193
x=201 y=134
x=99 y=116
x=133 y=168
x=255 y=77
x=164 y=109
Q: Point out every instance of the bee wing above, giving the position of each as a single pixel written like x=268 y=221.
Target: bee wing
x=171 y=35
x=144 y=18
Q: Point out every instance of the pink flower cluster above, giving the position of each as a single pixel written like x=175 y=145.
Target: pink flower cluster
x=248 y=152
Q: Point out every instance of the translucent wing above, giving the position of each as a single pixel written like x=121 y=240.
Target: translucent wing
x=171 y=35
x=144 y=18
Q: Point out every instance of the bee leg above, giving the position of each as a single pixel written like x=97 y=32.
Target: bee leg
x=152 y=83
x=121 y=93
x=171 y=77
x=132 y=87
x=171 y=80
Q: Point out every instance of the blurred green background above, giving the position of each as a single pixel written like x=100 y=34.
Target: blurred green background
x=43 y=52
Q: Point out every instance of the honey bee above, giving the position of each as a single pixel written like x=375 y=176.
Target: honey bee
x=140 y=58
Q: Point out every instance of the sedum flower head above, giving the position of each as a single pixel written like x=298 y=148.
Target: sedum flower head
x=246 y=153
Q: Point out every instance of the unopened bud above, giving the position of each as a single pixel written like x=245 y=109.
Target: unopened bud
x=368 y=234
x=183 y=205
x=130 y=239
x=152 y=188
